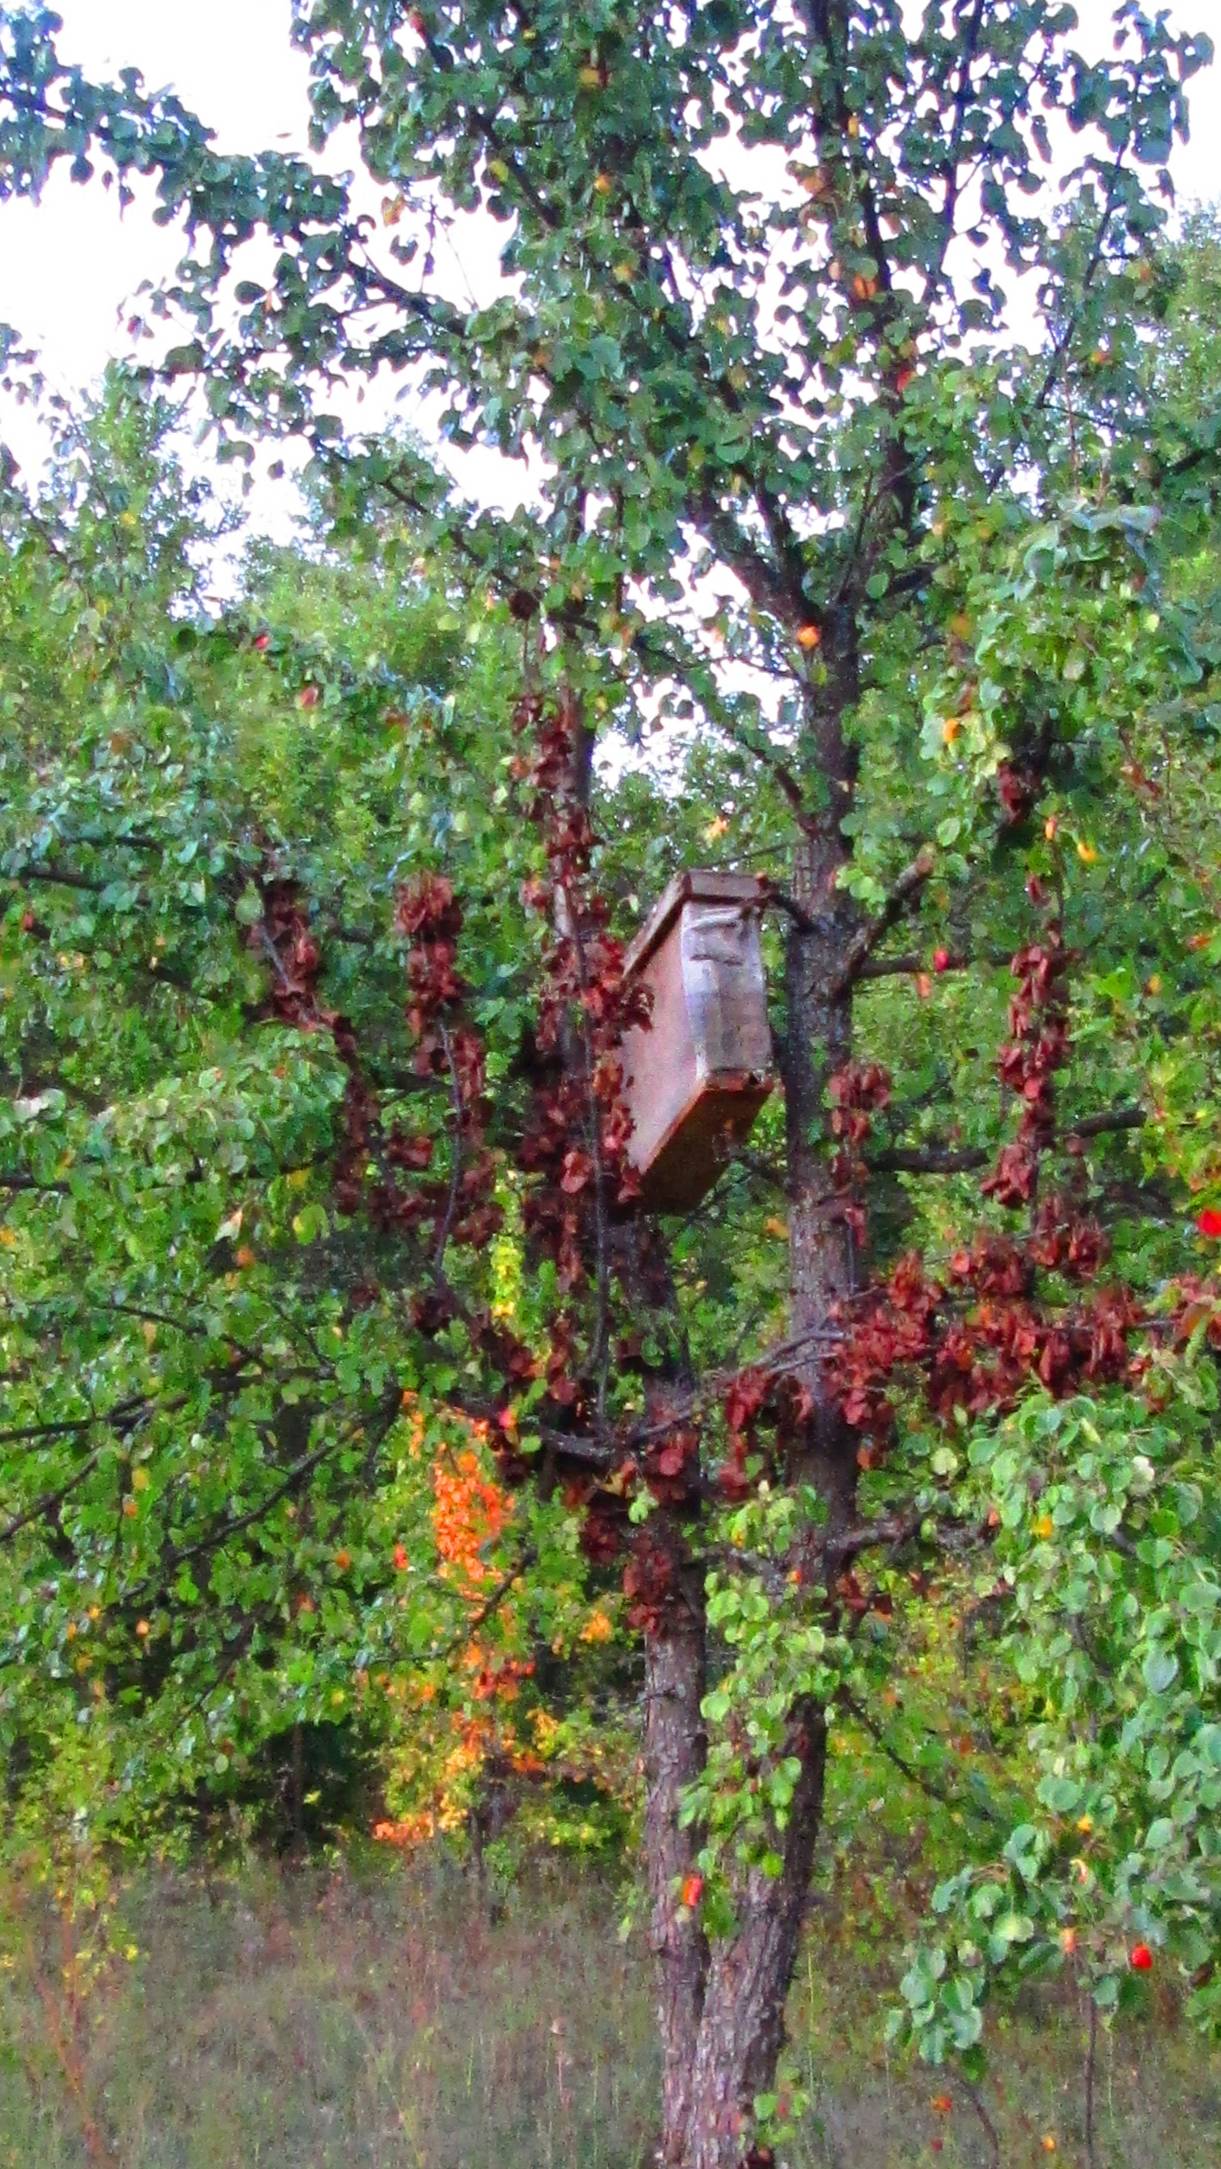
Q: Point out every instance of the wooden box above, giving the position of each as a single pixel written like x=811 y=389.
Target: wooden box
x=697 y=1075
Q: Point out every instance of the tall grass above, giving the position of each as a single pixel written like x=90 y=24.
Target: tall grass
x=320 y=2019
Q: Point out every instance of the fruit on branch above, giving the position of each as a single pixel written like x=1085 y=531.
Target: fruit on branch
x=1140 y=1958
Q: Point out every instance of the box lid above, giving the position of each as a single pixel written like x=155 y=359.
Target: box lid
x=695 y=886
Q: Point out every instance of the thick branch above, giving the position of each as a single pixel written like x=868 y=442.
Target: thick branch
x=911 y=962
x=62 y=877
x=941 y=1160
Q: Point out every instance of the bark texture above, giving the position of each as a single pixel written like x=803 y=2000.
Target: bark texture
x=749 y=1974
x=722 y=2007
x=675 y=1677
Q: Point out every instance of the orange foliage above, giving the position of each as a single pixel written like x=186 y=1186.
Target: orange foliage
x=469 y=1511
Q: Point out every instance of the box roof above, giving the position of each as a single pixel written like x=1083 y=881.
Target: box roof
x=697 y=885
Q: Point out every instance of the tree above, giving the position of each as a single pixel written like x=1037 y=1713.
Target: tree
x=205 y=732
x=903 y=570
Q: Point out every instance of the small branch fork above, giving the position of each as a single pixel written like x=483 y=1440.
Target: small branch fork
x=51 y=1501
x=903 y=897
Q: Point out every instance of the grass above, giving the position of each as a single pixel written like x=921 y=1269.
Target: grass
x=382 y=2022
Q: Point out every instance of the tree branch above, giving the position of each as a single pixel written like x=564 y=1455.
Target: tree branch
x=940 y=1160
x=907 y=965
x=50 y=1500
x=903 y=897
x=926 y=1785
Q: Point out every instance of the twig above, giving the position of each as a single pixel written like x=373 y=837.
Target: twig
x=220 y=1533
x=455 y=1173
x=976 y=2100
x=926 y=1785
x=1091 y=2067
x=115 y=1416
x=50 y=1499
x=486 y=1610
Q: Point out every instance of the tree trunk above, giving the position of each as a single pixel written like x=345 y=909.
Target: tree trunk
x=723 y=2020
x=741 y=2028
x=674 y=1744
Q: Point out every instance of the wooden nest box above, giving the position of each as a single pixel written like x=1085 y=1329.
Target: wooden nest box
x=696 y=1076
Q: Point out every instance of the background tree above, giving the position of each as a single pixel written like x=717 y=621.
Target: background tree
x=827 y=394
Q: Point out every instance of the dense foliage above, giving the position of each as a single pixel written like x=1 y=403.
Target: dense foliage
x=335 y=1332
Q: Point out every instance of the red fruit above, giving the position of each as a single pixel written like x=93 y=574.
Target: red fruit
x=400 y=1558
x=308 y=697
x=693 y=1890
x=262 y=642
x=1140 y=1958
x=941 y=960
x=28 y=922
x=1208 y=1222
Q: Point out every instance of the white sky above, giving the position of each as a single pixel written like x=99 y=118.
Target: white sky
x=70 y=265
